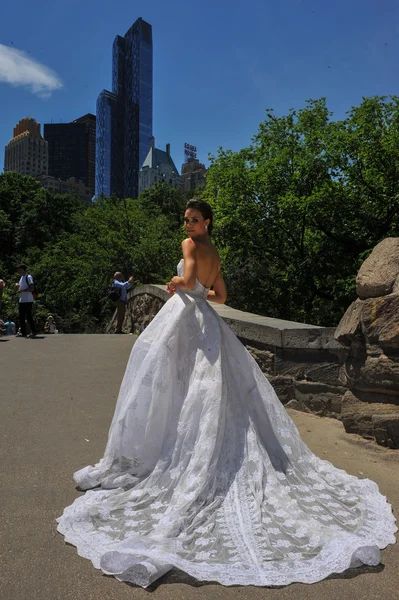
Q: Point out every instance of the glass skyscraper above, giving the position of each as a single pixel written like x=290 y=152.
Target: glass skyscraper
x=105 y=144
x=124 y=116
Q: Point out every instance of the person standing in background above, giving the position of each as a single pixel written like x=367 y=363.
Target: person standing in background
x=123 y=286
x=2 y=286
x=25 y=289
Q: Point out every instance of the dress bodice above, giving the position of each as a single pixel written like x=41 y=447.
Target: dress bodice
x=198 y=289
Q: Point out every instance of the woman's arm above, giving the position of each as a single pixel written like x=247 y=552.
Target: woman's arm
x=189 y=278
x=218 y=294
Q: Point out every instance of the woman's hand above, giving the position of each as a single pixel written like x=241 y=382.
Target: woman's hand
x=173 y=285
x=171 y=288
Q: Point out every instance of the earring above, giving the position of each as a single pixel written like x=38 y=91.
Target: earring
x=206 y=228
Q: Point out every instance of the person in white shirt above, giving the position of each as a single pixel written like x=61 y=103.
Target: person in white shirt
x=2 y=286
x=122 y=301
x=25 y=288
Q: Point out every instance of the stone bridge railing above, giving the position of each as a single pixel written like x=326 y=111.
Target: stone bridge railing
x=303 y=362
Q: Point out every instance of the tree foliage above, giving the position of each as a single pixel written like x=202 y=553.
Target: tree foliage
x=300 y=208
x=296 y=213
x=73 y=251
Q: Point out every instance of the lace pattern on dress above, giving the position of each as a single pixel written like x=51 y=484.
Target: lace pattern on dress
x=205 y=471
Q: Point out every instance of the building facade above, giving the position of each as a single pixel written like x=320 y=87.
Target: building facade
x=158 y=166
x=90 y=123
x=124 y=116
x=27 y=152
x=71 y=150
x=73 y=187
x=193 y=175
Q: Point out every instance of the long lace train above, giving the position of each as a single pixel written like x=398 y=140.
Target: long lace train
x=205 y=471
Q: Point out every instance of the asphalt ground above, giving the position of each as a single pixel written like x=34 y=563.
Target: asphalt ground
x=57 y=398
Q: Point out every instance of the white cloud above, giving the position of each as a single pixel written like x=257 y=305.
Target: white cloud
x=17 y=69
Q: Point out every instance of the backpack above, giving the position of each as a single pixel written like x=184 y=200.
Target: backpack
x=114 y=292
x=34 y=291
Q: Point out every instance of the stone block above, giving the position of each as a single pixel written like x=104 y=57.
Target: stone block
x=262 y=334
x=297 y=405
x=284 y=388
x=376 y=397
x=321 y=399
x=141 y=310
x=313 y=365
x=264 y=358
x=302 y=338
x=386 y=429
x=377 y=374
x=371 y=420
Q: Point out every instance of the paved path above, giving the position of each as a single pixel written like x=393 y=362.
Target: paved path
x=56 y=401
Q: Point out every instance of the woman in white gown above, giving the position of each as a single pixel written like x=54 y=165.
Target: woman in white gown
x=204 y=470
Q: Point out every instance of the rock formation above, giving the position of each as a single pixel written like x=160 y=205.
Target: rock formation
x=370 y=331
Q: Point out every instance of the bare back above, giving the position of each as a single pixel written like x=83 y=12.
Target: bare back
x=207 y=262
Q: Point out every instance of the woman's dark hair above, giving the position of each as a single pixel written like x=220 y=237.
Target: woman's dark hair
x=205 y=210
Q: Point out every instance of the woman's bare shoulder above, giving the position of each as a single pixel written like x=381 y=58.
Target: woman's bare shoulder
x=188 y=246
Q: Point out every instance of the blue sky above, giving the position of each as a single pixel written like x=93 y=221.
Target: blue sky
x=216 y=68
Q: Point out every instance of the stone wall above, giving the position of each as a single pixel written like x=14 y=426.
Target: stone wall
x=304 y=366
x=143 y=304
x=304 y=363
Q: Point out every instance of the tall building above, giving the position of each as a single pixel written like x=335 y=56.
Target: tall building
x=124 y=116
x=192 y=175
x=72 y=150
x=107 y=180
x=89 y=121
x=158 y=166
x=27 y=152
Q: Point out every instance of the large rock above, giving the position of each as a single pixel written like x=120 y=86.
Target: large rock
x=370 y=331
x=374 y=321
x=380 y=321
x=349 y=327
x=379 y=272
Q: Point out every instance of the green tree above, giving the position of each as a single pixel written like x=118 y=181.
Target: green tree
x=170 y=201
x=297 y=210
x=76 y=271
x=30 y=216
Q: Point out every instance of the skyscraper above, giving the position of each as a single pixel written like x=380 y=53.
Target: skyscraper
x=27 y=152
x=71 y=150
x=124 y=116
x=106 y=160
x=89 y=121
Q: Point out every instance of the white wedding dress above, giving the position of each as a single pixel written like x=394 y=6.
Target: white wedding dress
x=205 y=471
